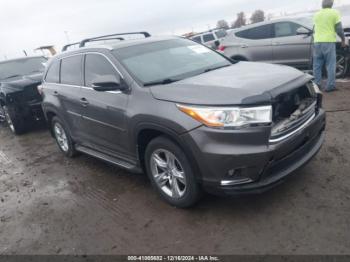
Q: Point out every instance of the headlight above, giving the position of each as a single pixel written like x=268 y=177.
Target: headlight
x=229 y=116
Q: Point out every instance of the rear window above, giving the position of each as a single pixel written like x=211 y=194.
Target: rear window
x=71 y=73
x=208 y=37
x=53 y=74
x=257 y=33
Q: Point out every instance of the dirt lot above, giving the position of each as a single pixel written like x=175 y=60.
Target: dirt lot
x=53 y=205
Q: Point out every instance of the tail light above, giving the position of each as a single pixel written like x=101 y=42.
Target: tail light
x=221 y=48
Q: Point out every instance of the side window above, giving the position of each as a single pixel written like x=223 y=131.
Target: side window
x=71 y=73
x=53 y=74
x=197 y=39
x=257 y=33
x=285 y=29
x=208 y=37
x=99 y=69
x=221 y=33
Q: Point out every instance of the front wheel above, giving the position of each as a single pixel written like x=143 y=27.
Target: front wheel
x=171 y=173
x=14 y=121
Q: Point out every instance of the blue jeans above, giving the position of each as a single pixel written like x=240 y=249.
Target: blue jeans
x=325 y=54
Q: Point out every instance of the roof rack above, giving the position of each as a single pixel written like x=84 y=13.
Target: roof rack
x=104 y=38
x=107 y=37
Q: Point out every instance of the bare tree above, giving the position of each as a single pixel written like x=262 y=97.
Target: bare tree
x=257 y=16
x=222 y=24
x=240 y=21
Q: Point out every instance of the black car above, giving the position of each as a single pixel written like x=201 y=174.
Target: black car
x=20 y=101
x=186 y=115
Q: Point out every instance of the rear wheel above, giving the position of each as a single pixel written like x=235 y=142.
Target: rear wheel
x=171 y=173
x=62 y=137
x=14 y=121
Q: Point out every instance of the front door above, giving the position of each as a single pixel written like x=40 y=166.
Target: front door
x=104 y=115
x=290 y=48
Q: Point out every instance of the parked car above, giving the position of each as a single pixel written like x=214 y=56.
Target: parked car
x=285 y=41
x=210 y=38
x=20 y=101
x=195 y=120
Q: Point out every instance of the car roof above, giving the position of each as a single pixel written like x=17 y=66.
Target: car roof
x=116 y=45
x=286 y=19
x=19 y=59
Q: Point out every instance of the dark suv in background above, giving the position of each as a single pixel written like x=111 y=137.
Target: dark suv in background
x=186 y=115
x=20 y=101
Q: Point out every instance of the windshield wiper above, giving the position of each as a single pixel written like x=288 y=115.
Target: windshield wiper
x=162 y=82
x=215 y=68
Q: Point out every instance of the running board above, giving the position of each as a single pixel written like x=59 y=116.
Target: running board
x=108 y=158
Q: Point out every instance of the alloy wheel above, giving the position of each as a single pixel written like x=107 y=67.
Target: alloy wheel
x=341 y=66
x=2 y=114
x=9 y=120
x=61 y=137
x=168 y=173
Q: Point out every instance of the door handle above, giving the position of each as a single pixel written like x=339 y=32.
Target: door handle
x=244 y=46
x=55 y=93
x=276 y=43
x=84 y=102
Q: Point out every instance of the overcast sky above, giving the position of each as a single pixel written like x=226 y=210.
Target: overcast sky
x=27 y=24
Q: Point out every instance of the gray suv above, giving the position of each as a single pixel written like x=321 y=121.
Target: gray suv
x=283 y=41
x=186 y=115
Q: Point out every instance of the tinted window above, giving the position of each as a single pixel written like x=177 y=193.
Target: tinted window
x=208 y=37
x=197 y=39
x=99 y=69
x=284 y=29
x=260 y=32
x=71 y=73
x=53 y=74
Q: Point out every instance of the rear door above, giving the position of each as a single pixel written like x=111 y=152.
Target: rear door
x=290 y=48
x=104 y=116
x=71 y=79
x=256 y=43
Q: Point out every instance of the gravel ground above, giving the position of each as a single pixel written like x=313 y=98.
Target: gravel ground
x=53 y=205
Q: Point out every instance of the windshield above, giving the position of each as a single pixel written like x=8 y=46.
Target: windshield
x=21 y=67
x=169 y=60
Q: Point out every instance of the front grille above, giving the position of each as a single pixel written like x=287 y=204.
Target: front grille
x=292 y=111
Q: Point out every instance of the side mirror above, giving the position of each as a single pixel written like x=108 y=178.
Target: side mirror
x=303 y=31
x=106 y=86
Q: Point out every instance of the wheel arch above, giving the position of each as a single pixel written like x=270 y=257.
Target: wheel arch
x=147 y=132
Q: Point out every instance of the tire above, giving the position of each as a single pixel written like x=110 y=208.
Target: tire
x=342 y=65
x=62 y=137
x=171 y=173
x=14 y=121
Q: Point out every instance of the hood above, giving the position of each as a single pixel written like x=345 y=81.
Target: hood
x=20 y=82
x=242 y=83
